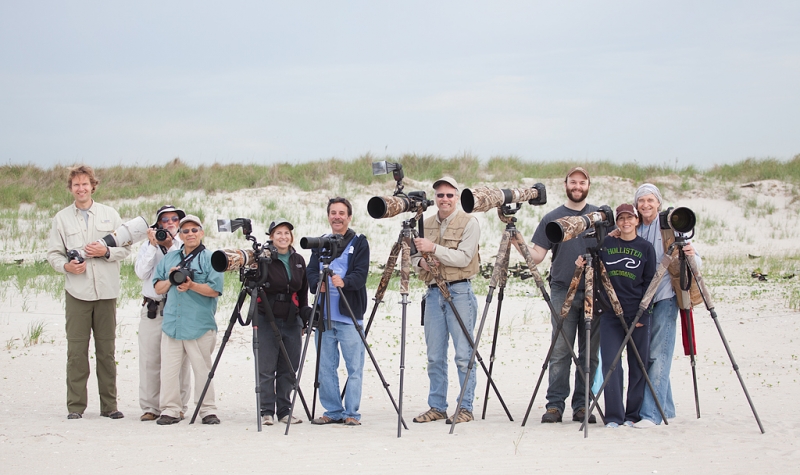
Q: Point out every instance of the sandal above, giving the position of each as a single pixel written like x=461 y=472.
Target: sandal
x=322 y=420
x=352 y=421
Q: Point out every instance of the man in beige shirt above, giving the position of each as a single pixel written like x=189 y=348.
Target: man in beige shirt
x=452 y=240
x=91 y=288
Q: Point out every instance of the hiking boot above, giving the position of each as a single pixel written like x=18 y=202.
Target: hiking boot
x=463 y=415
x=552 y=415
x=578 y=416
x=210 y=419
x=431 y=415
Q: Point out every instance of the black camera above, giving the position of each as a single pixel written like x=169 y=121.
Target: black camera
x=330 y=242
x=681 y=220
x=179 y=275
x=75 y=255
x=162 y=234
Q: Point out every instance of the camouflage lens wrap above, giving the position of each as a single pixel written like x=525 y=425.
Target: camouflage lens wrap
x=588 y=295
x=573 y=287
x=653 y=287
x=570 y=227
x=387 y=206
x=405 y=267
x=700 y=284
x=437 y=276
x=526 y=254
x=612 y=296
x=478 y=200
x=227 y=260
x=500 y=274
x=388 y=271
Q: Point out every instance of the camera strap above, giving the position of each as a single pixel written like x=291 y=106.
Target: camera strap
x=189 y=257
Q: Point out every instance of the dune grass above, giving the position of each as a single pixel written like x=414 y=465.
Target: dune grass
x=46 y=188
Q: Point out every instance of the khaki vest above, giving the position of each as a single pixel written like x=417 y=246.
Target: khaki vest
x=686 y=299
x=450 y=239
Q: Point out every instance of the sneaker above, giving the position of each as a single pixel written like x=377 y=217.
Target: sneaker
x=463 y=415
x=628 y=424
x=552 y=415
x=266 y=420
x=148 y=416
x=74 y=415
x=644 y=424
x=431 y=415
x=112 y=414
x=578 y=416
x=166 y=420
x=295 y=420
x=211 y=419
x=612 y=425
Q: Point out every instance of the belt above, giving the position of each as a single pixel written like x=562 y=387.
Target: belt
x=433 y=286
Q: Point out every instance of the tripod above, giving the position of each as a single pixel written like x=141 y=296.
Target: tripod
x=499 y=277
x=252 y=280
x=593 y=262
x=676 y=251
x=326 y=256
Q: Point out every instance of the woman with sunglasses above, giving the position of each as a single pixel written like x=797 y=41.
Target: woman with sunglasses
x=284 y=294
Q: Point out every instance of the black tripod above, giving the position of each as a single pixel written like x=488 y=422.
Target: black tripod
x=326 y=256
x=676 y=251
x=252 y=280
x=593 y=269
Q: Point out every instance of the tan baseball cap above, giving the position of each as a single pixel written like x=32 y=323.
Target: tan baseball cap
x=446 y=179
x=578 y=170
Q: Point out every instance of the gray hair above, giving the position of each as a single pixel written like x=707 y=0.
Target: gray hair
x=647 y=189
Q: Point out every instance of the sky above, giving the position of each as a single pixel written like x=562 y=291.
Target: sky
x=677 y=83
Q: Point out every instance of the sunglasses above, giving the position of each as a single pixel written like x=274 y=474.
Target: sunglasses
x=192 y=230
x=442 y=195
x=167 y=219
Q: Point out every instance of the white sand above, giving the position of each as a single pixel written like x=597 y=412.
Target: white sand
x=36 y=437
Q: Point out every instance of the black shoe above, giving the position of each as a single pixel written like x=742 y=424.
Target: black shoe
x=211 y=419
x=552 y=415
x=112 y=414
x=74 y=415
x=166 y=420
x=578 y=416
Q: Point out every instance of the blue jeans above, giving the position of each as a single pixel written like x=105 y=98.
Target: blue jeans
x=440 y=322
x=662 y=345
x=345 y=336
x=561 y=359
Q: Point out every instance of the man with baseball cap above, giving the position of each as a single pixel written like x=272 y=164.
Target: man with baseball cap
x=189 y=330
x=150 y=254
x=452 y=240
x=562 y=268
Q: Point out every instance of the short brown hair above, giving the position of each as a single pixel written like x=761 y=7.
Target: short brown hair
x=344 y=201
x=82 y=170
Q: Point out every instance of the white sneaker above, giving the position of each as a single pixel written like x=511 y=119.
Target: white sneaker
x=612 y=425
x=644 y=424
x=295 y=420
x=628 y=423
x=266 y=420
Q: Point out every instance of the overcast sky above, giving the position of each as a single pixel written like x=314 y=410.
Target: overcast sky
x=102 y=82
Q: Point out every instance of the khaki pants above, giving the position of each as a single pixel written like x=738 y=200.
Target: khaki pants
x=84 y=319
x=150 y=365
x=199 y=354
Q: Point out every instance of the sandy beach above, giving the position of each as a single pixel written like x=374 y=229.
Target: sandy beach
x=757 y=317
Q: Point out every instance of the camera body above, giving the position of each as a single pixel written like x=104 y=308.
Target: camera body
x=162 y=234
x=75 y=255
x=681 y=219
x=330 y=242
x=179 y=275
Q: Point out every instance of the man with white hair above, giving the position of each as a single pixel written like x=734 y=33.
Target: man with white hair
x=668 y=299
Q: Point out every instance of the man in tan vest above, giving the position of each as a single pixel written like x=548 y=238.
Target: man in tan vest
x=452 y=241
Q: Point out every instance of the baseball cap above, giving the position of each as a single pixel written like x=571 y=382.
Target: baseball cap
x=190 y=218
x=279 y=222
x=627 y=208
x=578 y=170
x=446 y=179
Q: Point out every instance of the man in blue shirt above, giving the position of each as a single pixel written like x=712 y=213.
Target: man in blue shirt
x=189 y=326
x=349 y=280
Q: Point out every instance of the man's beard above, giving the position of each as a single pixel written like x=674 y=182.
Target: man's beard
x=581 y=197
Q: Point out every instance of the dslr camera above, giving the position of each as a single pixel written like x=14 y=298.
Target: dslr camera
x=179 y=275
x=75 y=255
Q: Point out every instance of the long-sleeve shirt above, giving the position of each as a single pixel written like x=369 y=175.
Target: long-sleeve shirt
x=71 y=230
x=145 y=267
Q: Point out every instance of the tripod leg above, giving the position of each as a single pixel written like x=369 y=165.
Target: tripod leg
x=710 y=306
x=405 y=271
x=494 y=346
x=234 y=316
x=688 y=328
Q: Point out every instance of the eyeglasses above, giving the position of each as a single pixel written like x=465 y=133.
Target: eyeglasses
x=442 y=195
x=167 y=219
x=192 y=230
